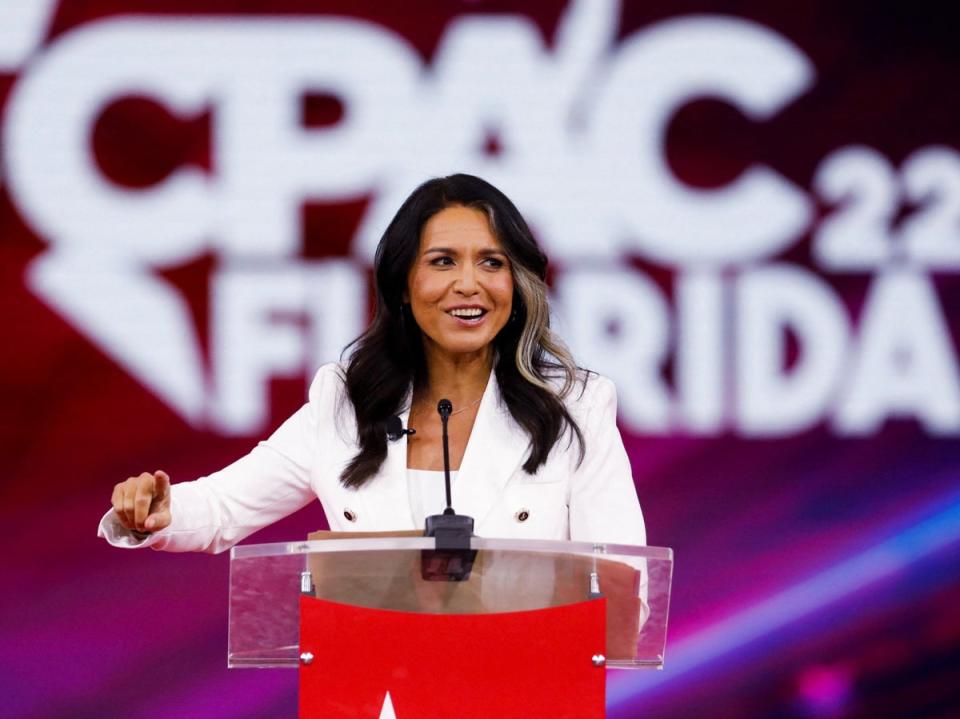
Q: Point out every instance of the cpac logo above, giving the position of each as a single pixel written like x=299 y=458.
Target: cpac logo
x=582 y=126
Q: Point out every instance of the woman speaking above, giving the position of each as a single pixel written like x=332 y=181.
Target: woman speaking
x=461 y=314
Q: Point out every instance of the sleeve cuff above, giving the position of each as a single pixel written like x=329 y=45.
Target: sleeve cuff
x=119 y=536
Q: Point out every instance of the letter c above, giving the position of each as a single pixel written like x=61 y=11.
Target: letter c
x=656 y=72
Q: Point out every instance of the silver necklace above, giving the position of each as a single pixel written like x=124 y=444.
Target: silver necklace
x=469 y=406
x=464 y=409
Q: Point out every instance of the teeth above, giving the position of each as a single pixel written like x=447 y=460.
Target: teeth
x=472 y=312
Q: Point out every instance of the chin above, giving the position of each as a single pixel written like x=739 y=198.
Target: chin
x=465 y=347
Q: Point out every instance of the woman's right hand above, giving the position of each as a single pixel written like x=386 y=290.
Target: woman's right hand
x=142 y=503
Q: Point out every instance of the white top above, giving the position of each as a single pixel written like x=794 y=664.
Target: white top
x=592 y=500
x=428 y=495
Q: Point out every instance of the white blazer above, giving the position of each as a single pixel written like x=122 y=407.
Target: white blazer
x=302 y=461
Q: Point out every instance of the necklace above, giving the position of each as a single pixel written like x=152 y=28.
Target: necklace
x=469 y=406
x=464 y=409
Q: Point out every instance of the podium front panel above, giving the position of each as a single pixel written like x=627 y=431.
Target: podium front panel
x=509 y=665
x=405 y=575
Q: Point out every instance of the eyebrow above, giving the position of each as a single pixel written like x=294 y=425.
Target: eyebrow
x=452 y=251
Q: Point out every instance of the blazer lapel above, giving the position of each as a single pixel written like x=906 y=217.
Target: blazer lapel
x=495 y=451
x=387 y=495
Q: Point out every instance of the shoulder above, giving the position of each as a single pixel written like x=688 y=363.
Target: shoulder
x=329 y=382
x=590 y=391
x=328 y=391
x=329 y=403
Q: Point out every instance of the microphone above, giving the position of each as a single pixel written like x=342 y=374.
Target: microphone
x=395 y=429
x=453 y=559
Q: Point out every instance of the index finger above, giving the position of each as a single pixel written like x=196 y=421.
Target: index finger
x=162 y=483
x=143 y=498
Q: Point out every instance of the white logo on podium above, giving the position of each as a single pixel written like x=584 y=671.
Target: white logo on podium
x=386 y=711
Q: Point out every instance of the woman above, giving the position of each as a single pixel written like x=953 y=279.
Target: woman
x=461 y=314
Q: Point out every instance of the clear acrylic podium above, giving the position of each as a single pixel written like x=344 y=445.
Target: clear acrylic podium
x=309 y=603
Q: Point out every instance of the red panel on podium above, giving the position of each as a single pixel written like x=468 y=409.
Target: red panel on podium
x=516 y=664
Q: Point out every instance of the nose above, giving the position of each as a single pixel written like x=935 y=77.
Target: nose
x=465 y=282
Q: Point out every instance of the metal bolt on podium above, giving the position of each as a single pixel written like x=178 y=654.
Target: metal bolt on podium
x=306 y=583
x=594 y=592
x=599 y=660
x=306 y=657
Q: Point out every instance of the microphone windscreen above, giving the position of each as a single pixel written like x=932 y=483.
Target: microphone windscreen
x=444 y=407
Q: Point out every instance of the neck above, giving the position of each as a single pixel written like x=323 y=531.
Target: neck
x=460 y=378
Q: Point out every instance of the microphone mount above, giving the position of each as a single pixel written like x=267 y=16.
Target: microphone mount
x=395 y=430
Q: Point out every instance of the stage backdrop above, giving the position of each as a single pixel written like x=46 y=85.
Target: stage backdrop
x=752 y=211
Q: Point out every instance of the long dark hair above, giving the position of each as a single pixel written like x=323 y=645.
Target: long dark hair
x=388 y=359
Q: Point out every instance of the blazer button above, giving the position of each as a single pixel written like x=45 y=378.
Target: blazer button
x=350 y=515
x=522 y=516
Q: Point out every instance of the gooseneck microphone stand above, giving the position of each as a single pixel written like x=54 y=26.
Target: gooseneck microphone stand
x=445 y=408
x=453 y=557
